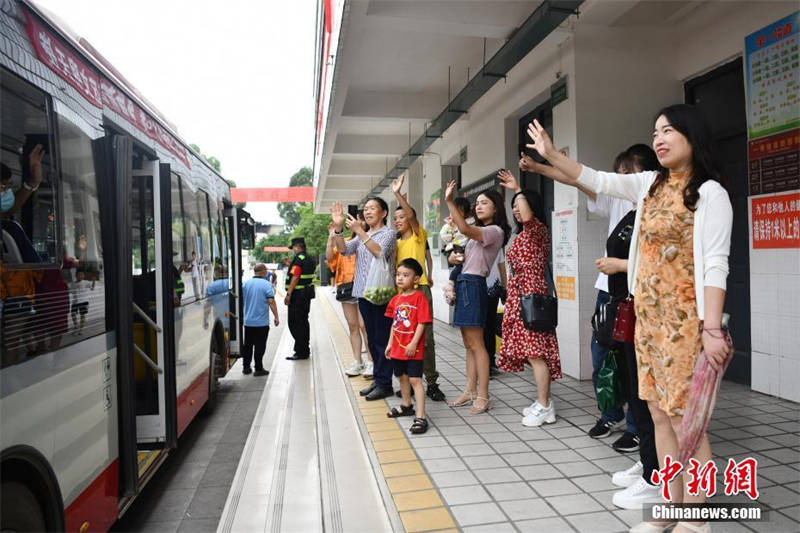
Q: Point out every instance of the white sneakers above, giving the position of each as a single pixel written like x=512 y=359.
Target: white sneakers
x=536 y=414
x=628 y=477
x=355 y=369
x=637 y=495
x=367 y=373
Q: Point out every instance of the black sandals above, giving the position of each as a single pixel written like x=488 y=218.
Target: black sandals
x=405 y=410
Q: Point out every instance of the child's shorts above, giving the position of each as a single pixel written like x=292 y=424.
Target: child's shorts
x=82 y=308
x=409 y=367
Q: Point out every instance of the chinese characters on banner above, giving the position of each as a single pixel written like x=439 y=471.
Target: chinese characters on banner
x=775 y=220
x=773 y=98
x=96 y=89
x=565 y=252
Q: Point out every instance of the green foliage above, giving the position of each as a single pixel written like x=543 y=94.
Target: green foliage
x=282 y=239
x=210 y=159
x=289 y=211
x=313 y=228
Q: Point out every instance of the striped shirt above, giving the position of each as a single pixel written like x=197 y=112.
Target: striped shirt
x=387 y=239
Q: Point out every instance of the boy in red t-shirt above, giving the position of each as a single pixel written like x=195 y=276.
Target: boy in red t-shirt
x=410 y=313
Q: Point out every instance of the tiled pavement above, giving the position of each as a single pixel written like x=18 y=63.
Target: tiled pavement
x=496 y=475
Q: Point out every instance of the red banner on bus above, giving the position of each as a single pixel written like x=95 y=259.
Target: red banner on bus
x=96 y=89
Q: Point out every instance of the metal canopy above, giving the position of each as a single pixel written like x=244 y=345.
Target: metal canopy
x=546 y=18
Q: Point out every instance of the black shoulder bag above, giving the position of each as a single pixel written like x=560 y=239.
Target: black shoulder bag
x=539 y=312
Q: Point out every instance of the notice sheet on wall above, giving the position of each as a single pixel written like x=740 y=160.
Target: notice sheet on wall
x=565 y=252
x=772 y=81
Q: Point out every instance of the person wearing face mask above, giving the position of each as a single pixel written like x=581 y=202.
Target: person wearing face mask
x=299 y=294
x=11 y=203
x=677 y=265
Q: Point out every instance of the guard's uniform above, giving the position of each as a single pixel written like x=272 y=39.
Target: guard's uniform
x=300 y=302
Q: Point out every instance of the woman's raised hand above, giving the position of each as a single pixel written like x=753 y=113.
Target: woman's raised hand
x=541 y=140
x=354 y=225
x=508 y=180
x=397 y=184
x=337 y=215
x=450 y=191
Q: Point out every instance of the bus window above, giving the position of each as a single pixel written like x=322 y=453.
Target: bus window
x=204 y=253
x=190 y=270
x=82 y=263
x=178 y=244
x=30 y=322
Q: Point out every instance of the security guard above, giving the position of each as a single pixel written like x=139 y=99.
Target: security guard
x=299 y=293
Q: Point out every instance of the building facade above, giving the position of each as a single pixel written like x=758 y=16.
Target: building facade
x=595 y=78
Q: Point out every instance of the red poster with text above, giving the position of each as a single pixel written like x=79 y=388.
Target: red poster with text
x=775 y=221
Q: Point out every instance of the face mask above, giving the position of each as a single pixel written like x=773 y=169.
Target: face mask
x=6 y=200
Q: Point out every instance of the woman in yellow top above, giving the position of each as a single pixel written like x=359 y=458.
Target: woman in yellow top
x=411 y=243
x=345 y=268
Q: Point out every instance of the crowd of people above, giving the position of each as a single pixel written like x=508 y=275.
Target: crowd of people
x=669 y=229
x=668 y=241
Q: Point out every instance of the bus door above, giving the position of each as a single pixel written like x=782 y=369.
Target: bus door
x=151 y=304
x=235 y=295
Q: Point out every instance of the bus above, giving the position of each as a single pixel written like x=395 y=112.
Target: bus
x=120 y=275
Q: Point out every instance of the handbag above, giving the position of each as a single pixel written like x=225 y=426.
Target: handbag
x=625 y=323
x=344 y=291
x=539 y=312
x=603 y=321
x=609 y=391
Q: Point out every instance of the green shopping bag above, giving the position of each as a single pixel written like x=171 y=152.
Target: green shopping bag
x=609 y=390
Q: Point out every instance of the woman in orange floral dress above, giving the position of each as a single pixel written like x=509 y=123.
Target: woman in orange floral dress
x=678 y=266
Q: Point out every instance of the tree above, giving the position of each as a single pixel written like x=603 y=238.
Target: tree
x=313 y=228
x=210 y=159
x=289 y=211
x=281 y=239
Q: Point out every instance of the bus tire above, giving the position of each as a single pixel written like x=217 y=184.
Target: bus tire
x=20 y=509
x=213 y=377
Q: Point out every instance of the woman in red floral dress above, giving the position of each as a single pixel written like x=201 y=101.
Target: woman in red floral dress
x=527 y=261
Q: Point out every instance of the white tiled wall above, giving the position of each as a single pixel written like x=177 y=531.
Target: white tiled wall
x=775 y=321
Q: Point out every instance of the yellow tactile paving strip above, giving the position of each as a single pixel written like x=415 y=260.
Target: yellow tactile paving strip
x=420 y=506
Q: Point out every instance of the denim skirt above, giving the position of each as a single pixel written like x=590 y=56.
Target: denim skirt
x=471 y=301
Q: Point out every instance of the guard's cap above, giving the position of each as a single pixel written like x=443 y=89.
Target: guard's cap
x=299 y=240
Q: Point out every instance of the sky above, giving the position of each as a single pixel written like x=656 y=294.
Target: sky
x=235 y=77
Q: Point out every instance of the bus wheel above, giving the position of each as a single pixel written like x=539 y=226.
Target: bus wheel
x=215 y=360
x=20 y=510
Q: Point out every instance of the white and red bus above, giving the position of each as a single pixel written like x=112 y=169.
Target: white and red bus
x=119 y=249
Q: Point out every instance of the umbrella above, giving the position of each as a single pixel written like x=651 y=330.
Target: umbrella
x=700 y=404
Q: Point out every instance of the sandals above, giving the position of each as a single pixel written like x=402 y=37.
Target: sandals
x=420 y=425
x=405 y=410
x=478 y=410
x=466 y=398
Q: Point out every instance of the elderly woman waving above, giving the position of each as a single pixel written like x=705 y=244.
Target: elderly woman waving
x=377 y=241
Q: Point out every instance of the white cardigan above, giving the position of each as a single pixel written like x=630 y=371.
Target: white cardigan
x=713 y=219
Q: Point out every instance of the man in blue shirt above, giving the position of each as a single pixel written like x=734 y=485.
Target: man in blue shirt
x=259 y=298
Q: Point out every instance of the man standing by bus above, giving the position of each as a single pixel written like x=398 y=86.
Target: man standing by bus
x=299 y=293
x=259 y=299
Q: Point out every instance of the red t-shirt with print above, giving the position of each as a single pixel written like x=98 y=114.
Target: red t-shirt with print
x=407 y=312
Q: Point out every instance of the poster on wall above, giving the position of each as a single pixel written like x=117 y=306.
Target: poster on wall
x=772 y=82
x=775 y=221
x=565 y=252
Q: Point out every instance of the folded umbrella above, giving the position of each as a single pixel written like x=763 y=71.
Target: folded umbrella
x=700 y=403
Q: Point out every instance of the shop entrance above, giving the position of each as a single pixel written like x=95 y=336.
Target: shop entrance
x=530 y=180
x=719 y=94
